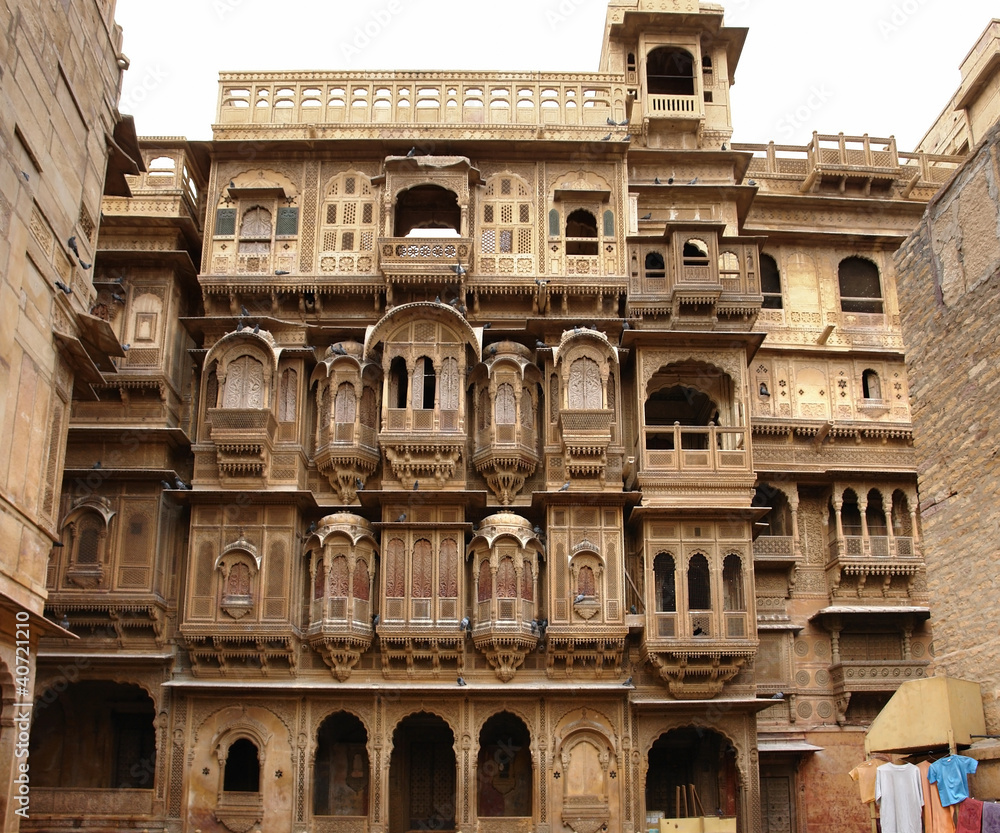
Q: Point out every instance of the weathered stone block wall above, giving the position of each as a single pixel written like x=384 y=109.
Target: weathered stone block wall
x=949 y=286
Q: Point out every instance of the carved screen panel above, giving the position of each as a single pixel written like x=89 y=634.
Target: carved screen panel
x=506 y=579
x=485 y=582
x=395 y=569
x=238 y=583
x=585 y=385
x=483 y=417
x=319 y=584
x=244 y=384
x=448 y=569
x=527 y=585
x=449 y=385
x=362 y=581
x=423 y=568
x=338 y=578
x=585 y=582
x=368 y=409
x=506 y=412
x=344 y=404
x=287 y=396
x=527 y=411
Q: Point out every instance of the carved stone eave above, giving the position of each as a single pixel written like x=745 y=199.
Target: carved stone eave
x=222 y=653
x=239 y=812
x=585 y=813
x=506 y=467
x=602 y=649
x=433 y=458
x=505 y=648
x=415 y=650
x=347 y=466
x=340 y=650
x=694 y=673
x=884 y=570
x=133 y=621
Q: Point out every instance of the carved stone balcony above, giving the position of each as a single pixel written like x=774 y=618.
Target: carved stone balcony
x=506 y=456
x=505 y=633
x=855 y=560
x=338 y=634
x=239 y=811
x=586 y=435
x=414 y=259
x=101 y=807
x=347 y=453
x=853 y=676
x=244 y=440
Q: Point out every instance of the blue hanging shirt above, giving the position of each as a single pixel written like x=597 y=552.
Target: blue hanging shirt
x=951 y=775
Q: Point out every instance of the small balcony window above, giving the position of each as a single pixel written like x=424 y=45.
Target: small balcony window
x=860 y=287
x=242 y=768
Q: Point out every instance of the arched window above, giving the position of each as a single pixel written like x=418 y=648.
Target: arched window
x=505 y=408
x=732 y=583
x=238 y=581
x=485 y=582
x=664 y=575
x=448 y=569
x=395 y=569
x=449 y=384
x=871 y=385
x=585 y=391
x=242 y=768
x=425 y=208
x=699 y=586
x=362 y=581
x=338 y=578
x=527 y=585
x=89 y=537
x=424 y=384
x=585 y=584
x=506 y=579
x=860 y=288
x=344 y=404
x=369 y=413
x=398 y=382
x=581 y=233
x=670 y=71
x=423 y=567
x=695 y=252
x=770 y=283
x=255 y=231
x=319 y=584
x=244 y=384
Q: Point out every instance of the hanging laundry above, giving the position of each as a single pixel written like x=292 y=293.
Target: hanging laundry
x=900 y=797
x=936 y=818
x=970 y=816
x=991 y=817
x=951 y=775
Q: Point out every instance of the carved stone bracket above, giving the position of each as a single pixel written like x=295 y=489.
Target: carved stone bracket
x=691 y=675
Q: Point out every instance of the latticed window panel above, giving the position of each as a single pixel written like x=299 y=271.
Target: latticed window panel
x=349 y=225
x=506 y=221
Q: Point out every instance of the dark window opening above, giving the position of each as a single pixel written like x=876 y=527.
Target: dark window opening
x=426 y=207
x=504 y=782
x=695 y=253
x=860 y=289
x=693 y=756
x=242 y=768
x=655 y=266
x=770 y=283
x=134 y=750
x=664 y=574
x=779 y=520
x=398 y=382
x=424 y=384
x=679 y=404
x=670 y=71
x=732 y=583
x=581 y=224
x=699 y=588
x=871 y=386
x=630 y=62
x=850 y=515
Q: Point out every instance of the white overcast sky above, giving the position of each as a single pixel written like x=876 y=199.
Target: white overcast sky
x=882 y=67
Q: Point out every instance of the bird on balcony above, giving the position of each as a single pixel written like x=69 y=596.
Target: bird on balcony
x=632 y=610
x=282 y=272
x=752 y=183
x=256 y=329
x=698 y=631
x=84 y=266
x=412 y=152
x=464 y=624
x=375 y=620
x=63 y=287
x=179 y=484
x=628 y=682
x=656 y=181
x=693 y=181
x=461 y=681
x=612 y=122
x=239 y=326
x=606 y=138
x=416 y=485
x=564 y=487
x=459 y=270
x=359 y=484
x=541 y=345
x=96 y=465
x=579 y=598
x=118 y=299
x=72 y=245
x=244 y=311
x=401 y=518
x=648 y=216
x=778 y=696
x=165 y=485
x=627 y=137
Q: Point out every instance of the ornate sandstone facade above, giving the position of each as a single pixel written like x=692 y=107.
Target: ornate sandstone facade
x=491 y=452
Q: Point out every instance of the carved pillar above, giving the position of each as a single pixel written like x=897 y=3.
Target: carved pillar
x=838 y=505
x=866 y=544
x=835 y=644
x=913 y=521
x=907 y=641
x=888 y=526
x=793 y=505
